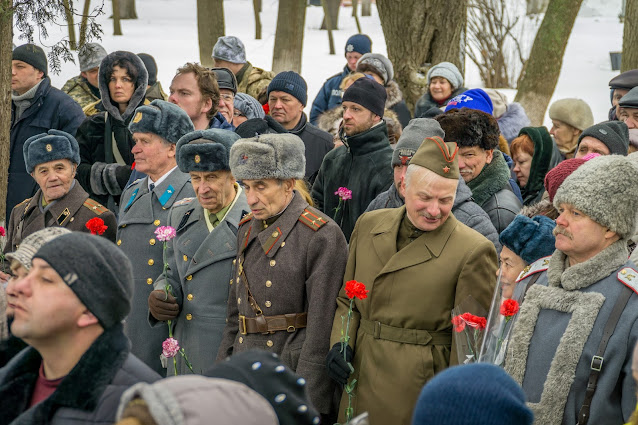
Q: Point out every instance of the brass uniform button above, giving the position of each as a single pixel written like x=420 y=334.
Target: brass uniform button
x=119 y=242
x=241 y=339
x=234 y=262
x=156 y=222
x=123 y=225
x=283 y=244
x=238 y=300
x=189 y=316
x=185 y=258
x=272 y=263
x=189 y=297
x=152 y=242
x=268 y=303
x=189 y=277
x=149 y=281
x=151 y=262
x=268 y=284
x=269 y=343
x=275 y=234
x=231 y=281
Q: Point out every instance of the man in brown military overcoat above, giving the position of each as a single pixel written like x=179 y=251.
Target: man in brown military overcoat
x=289 y=266
x=418 y=262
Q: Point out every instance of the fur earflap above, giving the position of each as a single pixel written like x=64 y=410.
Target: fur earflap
x=205 y=150
x=269 y=156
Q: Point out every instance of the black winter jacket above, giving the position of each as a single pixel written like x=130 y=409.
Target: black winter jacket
x=318 y=143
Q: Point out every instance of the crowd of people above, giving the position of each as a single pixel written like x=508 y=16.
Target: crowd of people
x=212 y=254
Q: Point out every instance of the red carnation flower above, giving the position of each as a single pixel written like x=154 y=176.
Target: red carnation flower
x=2 y=231
x=96 y=226
x=509 y=308
x=356 y=289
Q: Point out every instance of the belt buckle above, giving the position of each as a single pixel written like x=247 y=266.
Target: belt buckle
x=291 y=329
x=377 y=330
x=596 y=363
x=242 y=321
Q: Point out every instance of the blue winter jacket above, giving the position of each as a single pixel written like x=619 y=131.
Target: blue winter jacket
x=51 y=108
x=329 y=95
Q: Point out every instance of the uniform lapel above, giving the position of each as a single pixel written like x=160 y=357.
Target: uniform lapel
x=270 y=240
x=384 y=239
x=64 y=209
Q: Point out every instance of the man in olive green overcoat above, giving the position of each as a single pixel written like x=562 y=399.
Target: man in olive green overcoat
x=418 y=262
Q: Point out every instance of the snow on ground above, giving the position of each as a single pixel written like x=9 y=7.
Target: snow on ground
x=167 y=29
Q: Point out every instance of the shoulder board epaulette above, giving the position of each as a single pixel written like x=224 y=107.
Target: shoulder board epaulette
x=312 y=220
x=95 y=206
x=91 y=108
x=629 y=277
x=537 y=266
x=26 y=200
x=183 y=201
x=246 y=218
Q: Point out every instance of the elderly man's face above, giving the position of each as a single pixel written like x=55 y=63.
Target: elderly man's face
x=472 y=160
x=226 y=104
x=152 y=155
x=285 y=108
x=591 y=145
x=267 y=197
x=511 y=266
x=578 y=236
x=215 y=190
x=428 y=198
x=44 y=306
x=54 y=178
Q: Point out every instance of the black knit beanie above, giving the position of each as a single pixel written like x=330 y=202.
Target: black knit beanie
x=151 y=67
x=292 y=83
x=33 y=55
x=614 y=134
x=367 y=93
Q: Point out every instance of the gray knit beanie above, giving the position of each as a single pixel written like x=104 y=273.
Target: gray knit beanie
x=102 y=280
x=604 y=188
x=230 y=49
x=378 y=64
x=447 y=70
x=413 y=135
x=614 y=134
x=268 y=156
x=90 y=56
x=249 y=106
x=32 y=243
x=574 y=112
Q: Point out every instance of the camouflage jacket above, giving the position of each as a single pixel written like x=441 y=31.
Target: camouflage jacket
x=253 y=81
x=79 y=90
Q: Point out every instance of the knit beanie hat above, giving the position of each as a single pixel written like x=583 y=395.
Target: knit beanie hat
x=378 y=64
x=165 y=119
x=49 y=146
x=447 y=70
x=472 y=99
x=230 y=49
x=268 y=156
x=249 y=106
x=473 y=394
x=226 y=79
x=196 y=400
x=499 y=102
x=33 y=55
x=90 y=56
x=265 y=373
x=367 y=93
x=557 y=175
x=359 y=43
x=574 y=112
x=103 y=280
x=529 y=238
x=412 y=137
x=205 y=150
x=32 y=243
x=151 y=67
x=614 y=134
x=604 y=188
x=292 y=83
x=627 y=80
x=630 y=100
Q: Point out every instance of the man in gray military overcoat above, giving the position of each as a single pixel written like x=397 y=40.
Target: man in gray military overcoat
x=289 y=268
x=145 y=205
x=202 y=254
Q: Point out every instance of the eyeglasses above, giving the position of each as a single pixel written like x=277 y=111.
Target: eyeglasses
x=238 y=113
x=227 y=97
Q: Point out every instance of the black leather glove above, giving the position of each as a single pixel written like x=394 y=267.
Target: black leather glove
x=122 y=174
x=338 y=368
x=162 y=308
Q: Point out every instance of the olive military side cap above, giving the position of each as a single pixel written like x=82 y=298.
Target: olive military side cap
x=438 y=156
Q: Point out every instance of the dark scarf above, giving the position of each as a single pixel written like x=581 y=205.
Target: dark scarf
x=492 y=179
x=541 y=162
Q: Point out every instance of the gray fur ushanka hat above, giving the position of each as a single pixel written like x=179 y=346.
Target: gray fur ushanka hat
x=45 y=147
x=605 y=188
x=268 y=156
x=163 y=118
x=205 y=150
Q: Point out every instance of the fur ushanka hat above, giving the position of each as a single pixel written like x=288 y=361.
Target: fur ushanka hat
x=45 y=147
x=605 y=189
x=165 y=119
x=205 y=150
x=268 y=156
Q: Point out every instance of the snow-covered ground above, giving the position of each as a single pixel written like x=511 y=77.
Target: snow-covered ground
x=167 y=29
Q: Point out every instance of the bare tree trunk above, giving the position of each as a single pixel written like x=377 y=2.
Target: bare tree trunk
x=257 y=9
x=127 y=9
x=328 y=21
x=536 y=6
x=210 y=26
x=291 y=19
x=117 y=28
x=6 y=35
x=69 y=23
x=629 y=37
x=366 y=8
x=332 y=6
x=85 y=19
x=540 y=74
x=437 y=27
x=354 y=14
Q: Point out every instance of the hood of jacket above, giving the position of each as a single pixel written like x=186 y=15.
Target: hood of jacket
x=511 y=122
x=394 y=94
x=140 y=84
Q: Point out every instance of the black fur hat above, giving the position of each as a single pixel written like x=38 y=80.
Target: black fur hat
x=205 y=150
x=470 y=127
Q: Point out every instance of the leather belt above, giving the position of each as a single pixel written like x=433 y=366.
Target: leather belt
x=404 y=335
x=271 y=324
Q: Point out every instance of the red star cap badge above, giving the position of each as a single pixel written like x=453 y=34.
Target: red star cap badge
x=446 y=169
